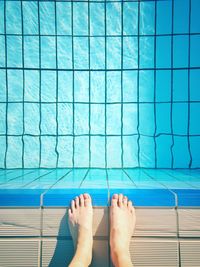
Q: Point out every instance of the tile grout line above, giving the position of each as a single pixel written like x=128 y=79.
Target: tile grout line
x=40 y=132
x=62 y=177
x=23 y=84
x=86 y=174
x=189 y=73
x=6 y=65
x=105 y=135
x=155 y=80
x=96 y=1
x=108 y=35
x=176 y=212
x=122 y=96
x=57 y=109
x=98 y=103
x=138 y=81
x=130 y=178
x=89 y=63
x=42 y=214
x=17 y=177
x=108 y=219
x=172 y=88
x=175 y=178
x=40 y=238
x=38 y=178
x=172 y=131
x=110 y=69
x=40 y=84
x=73 y=82
x=105 y=76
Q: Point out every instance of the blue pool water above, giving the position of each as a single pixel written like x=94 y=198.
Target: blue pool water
x=100 y=96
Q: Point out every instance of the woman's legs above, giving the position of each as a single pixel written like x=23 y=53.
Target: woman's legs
x=122 y=225
x=80 y=224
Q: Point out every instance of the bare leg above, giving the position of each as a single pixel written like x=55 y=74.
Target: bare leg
x=80 y=224
x=122 y=225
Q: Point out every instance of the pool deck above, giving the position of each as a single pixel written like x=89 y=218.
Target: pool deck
x=33 y=215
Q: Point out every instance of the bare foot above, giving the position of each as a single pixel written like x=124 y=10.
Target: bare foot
x=80 y=225
x=122 y=225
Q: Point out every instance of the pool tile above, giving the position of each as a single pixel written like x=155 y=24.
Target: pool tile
x=155 y=222
x=17 y=174
x=54 y=253
x=63 y=197
x=19 y=252
x=119 y=179
x=189 y=222
x=188 y=197
x=25 y=181
x=20 y=197
x=192 y=177
x=19 y=222
x=142 y=180
x=189 y=253
x=95 y=178
x=167 y=180
x=72 y=180
x=46 y=181
x=154 y=252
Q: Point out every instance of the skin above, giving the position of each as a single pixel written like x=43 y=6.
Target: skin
x=80 y=224
x=122 y=225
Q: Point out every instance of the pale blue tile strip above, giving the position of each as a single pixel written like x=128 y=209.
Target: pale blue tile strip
x=153 y=186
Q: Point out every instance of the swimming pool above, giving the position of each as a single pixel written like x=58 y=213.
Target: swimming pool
x=97 y=86
x=99 y=97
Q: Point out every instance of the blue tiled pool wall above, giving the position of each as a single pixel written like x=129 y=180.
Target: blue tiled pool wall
x=99 y=84
x=57 y=187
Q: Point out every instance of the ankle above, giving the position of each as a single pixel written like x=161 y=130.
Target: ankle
x=118 y=251
x=121 y=258
x=83 y=255
x=117 y=248
x=84 y=249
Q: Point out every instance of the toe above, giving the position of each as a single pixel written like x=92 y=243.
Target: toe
x=76 y=202
x=72 y=205
x=125 y=201
x=120 y=200
x=130 y=205
x=86 y=195
x=87 y=199
x=115 y=196
x=81 y=200
x=114 y=200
